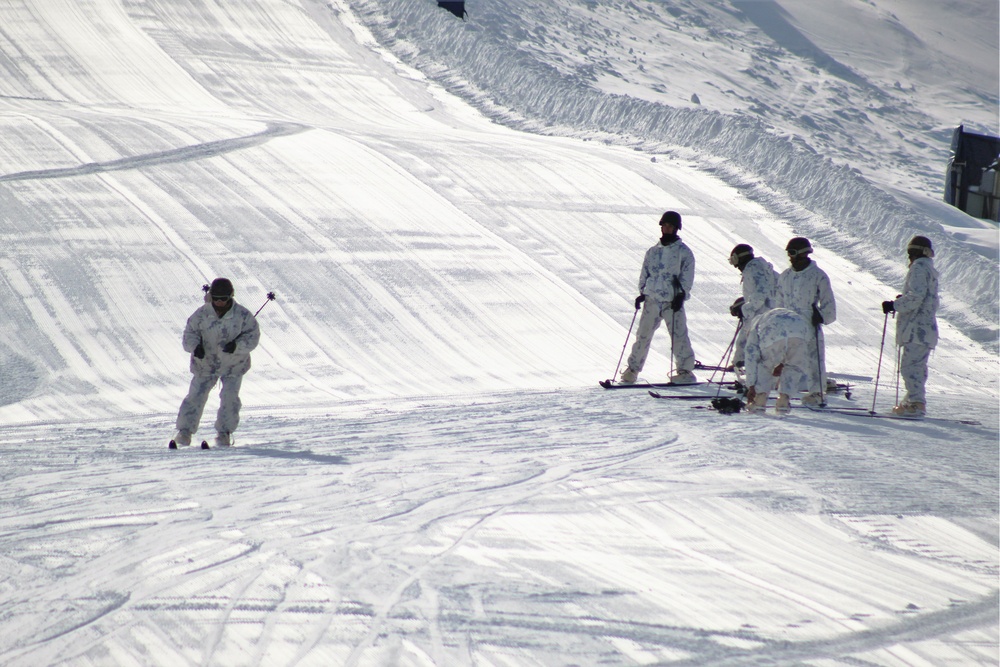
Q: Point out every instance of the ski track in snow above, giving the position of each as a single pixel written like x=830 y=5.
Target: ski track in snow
x=557 y=521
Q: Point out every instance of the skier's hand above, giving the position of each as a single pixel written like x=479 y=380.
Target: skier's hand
x=817 y=318
x=677 y=303
x=736 y=310
x=751 y=394
x=778 y=370
x=229 y=347
x=888 y=307
x=638 y=301
x=199 y=352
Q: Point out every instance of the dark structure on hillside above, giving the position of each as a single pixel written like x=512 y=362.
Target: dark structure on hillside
x=973 y=182
x=456 y=8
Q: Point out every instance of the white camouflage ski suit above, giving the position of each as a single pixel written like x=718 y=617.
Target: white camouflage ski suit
x=779 y=337
x=205 y=327
x=666 y=270
x=800 y=291
x=916 y=326
x=760 y=285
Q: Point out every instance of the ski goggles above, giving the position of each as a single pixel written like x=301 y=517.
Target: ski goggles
x=927 y=252
x=735 y=258
x=799 y=251
x=221 y=299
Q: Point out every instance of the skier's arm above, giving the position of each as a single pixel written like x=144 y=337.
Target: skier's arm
x=250 y=336
x=192 y=336
x=644 y=273
x=754 y=293
x=914 y=290
x=687 y=272
x=826 y=303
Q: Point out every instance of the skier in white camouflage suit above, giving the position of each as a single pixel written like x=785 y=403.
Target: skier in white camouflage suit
x=916 y=324
x=664 y=284
x=220 y=336
x=805 y=288
x=760 y=283
x=777 y=346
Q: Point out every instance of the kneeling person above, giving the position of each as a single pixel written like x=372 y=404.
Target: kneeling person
x=777 y=346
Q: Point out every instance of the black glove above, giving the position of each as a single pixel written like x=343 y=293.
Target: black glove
x=817 y=318
x=888 y=307
x=736 y=310
x=678 y=302
x=638 y=300
x=199 y=352
x=229 y=347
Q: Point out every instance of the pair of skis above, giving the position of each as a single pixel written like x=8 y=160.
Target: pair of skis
x=204 y=445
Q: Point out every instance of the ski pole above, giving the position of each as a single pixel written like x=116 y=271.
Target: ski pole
x=623 y=346
x=724 y=362
x=878 y=370
x=673 y=321
x=269 y=299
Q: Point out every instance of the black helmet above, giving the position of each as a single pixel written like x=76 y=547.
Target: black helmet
x=221 y=288
x=798 y=246
x=741 y=253
x=671 y=218
x=920 y=246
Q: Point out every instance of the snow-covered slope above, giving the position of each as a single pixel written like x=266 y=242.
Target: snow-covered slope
x=430 y=474
x=847 y=134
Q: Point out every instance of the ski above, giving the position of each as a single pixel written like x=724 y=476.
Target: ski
x=698 y=366
x=876 y=415
x=611 y=384
x=680 y=396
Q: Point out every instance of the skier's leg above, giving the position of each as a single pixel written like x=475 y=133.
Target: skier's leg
x=913 y=369
x=821 y=353
x=683 y=352
x=814 y=364
x=649 y=321
x=795 y=372
x=189 y=415
x=229 y=404
x=739 y=347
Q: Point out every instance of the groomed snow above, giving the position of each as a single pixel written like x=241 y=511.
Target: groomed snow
x=452 y=216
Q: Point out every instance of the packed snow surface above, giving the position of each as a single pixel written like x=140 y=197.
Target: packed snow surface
x=452 y=216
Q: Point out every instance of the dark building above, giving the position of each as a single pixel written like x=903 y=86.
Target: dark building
x=972 y=182
x=456 y=8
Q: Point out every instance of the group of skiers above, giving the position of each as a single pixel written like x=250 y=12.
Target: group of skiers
x=780 y=335
x=779 y=341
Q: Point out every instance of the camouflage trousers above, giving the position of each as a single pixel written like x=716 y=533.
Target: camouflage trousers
x=228 y=417
x=913 y=370
x=654 y=312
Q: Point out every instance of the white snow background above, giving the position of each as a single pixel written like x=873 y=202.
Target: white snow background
x=452 y=215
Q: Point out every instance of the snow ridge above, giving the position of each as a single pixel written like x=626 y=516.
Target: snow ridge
x=842 y=209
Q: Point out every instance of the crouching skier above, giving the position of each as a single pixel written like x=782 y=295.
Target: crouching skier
x=916 y=326
x=777 y=346
x=220 y=336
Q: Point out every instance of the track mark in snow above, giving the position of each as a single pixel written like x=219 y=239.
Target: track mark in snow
x=177 y=155
x=912 y=628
